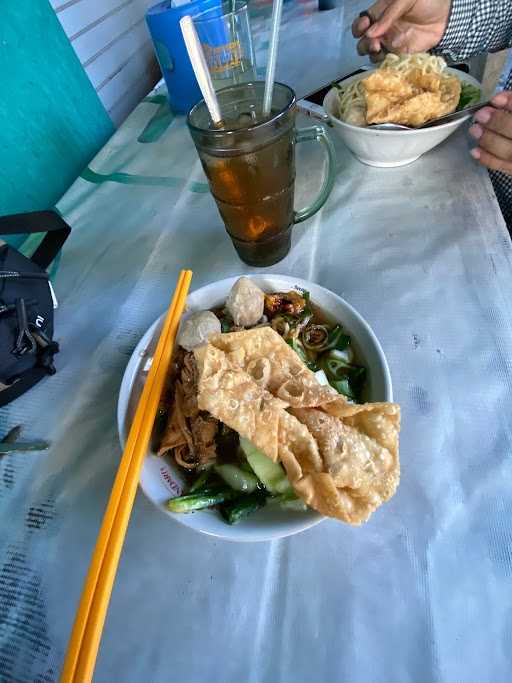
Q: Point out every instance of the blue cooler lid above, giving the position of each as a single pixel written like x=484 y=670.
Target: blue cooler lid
x=163 y=24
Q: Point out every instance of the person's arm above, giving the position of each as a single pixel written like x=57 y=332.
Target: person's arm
x=458 y=28
x=476 y=26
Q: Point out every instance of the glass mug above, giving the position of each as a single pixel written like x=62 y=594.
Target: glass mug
x=250 y=166
x=225 y=35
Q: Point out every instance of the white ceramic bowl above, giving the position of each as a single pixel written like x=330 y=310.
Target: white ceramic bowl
x=390 y=148
x=161 y=480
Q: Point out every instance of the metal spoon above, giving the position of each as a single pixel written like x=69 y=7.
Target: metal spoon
x=388 y=126
x=456 y=114
x=446 y=118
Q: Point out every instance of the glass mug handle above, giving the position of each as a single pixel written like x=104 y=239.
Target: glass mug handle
x=317 y=134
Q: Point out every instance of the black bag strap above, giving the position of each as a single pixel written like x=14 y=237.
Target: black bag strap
x=39 y=221
x=29 y=379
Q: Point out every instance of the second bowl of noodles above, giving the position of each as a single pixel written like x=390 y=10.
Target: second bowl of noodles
x=408 y=90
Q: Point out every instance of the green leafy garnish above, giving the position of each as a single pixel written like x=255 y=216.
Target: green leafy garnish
x=337 y=339
x=469 y=95
x=346 y=378
x=344 y=387
x=301 y=353
x=226 y=325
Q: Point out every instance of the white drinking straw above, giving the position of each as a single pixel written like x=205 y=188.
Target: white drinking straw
x=197 y=58
x=272 y=56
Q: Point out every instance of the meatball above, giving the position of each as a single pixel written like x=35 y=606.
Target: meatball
x=197 y=329
x=245 y=303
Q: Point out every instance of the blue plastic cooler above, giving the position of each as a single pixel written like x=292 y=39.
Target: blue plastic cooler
x=163 y=24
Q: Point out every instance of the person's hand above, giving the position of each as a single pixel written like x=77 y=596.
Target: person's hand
x=401 y=26
x=493 y=130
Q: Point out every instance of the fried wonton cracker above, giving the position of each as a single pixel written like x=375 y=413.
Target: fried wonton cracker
x=234 y=397
x=274 y=365
x=410 y=98
x=360 y=455
x=341 y=458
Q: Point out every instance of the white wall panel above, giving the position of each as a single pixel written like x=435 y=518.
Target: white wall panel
x=112 y=42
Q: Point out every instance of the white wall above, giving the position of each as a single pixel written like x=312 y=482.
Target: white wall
x=112 y=42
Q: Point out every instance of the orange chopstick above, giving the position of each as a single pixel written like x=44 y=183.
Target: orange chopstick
x=86 y=634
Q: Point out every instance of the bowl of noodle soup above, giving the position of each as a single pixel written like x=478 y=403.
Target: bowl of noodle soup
x=161 y=477
x=346 y=105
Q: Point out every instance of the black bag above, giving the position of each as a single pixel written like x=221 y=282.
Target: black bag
x=26 y=303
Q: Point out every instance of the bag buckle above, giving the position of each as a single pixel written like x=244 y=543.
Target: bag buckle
x=25 y=342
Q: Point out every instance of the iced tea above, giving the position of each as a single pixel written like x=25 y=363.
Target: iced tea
x=250 y=166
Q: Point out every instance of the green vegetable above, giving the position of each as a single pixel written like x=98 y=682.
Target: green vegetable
x=25 y=446
x=344 y=387
x=225 y=325
x=298 y=348
x=347 y=379
x=301 y=353
x=236 y=478
x=12 y=435
x=290 y=501
x=200 y=481
x=199 y=501
x=346 y=355
x=271 y=474
x=243 y=506
x=337 y=339
x=336 y=368
x=469 y=95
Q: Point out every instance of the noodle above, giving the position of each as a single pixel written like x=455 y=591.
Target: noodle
x=189 y=434
x=352 y=104
x=427 y=64
x=351 y=98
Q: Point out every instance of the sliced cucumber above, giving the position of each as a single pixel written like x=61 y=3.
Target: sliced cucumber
x=199 y=501
x=289 y=501
x=346 y=355
x=235 y=477
x=271 y=474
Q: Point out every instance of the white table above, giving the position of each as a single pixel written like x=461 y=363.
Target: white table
x=421 y=592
